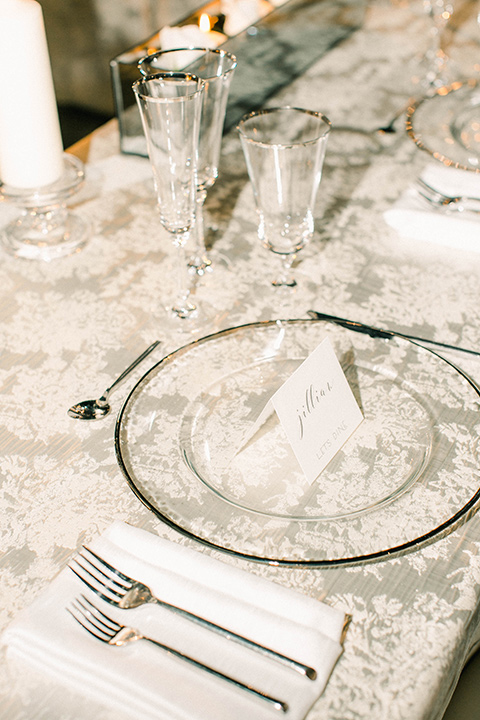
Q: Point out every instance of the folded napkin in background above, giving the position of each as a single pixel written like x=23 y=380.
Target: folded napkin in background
x=413 y=217
x=145 y=682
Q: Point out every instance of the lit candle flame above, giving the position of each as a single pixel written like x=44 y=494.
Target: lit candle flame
x=204 y=23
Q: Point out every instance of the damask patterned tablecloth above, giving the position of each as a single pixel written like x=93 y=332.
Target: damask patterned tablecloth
x=67 y=327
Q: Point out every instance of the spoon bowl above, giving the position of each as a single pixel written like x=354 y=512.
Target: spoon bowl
x=89 y=410
x=97 y=409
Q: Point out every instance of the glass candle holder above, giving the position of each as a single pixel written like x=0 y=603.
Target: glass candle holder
x=46 y=229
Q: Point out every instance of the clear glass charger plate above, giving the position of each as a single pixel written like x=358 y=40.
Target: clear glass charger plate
x=447 y=125
x=407 y=476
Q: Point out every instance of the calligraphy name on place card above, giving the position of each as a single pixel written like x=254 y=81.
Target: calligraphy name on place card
x=317 y=410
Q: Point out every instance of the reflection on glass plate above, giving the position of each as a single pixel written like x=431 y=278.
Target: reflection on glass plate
x=409 y=473
x=447 y=125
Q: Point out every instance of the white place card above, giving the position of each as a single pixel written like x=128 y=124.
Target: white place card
x=317 y=410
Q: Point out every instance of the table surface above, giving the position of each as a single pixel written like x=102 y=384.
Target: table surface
x=69 y=326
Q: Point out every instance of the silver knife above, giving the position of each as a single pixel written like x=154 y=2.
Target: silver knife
x=381 y=333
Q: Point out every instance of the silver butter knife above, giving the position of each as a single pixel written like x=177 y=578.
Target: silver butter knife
x=381 y=333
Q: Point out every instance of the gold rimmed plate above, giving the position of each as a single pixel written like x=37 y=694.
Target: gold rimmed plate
x=447 y=125
x=409 y=474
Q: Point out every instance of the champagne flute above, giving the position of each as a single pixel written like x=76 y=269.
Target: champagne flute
x=215 y=67
x=170 y=106
x=284 y=150
x=436 y=59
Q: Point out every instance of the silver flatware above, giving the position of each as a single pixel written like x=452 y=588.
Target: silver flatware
x=390 y=128
x=96 y=409
x=379 y=332
x=118 y=589
x=107 y=630
x=441 y=200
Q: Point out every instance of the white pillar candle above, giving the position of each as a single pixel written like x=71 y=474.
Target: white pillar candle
x=31 y=150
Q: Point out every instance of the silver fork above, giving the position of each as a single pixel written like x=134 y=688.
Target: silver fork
x=118 y=589
x=439 y=199
x=104 y=628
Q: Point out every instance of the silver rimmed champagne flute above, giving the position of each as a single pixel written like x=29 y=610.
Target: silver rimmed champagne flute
x=284 y=150
x=436 y=59
x=215 y=67
x=170 y=106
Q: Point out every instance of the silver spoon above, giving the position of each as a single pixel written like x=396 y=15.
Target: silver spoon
x=96 y=409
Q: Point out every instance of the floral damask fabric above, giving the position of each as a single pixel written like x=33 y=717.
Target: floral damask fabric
x=68 y=327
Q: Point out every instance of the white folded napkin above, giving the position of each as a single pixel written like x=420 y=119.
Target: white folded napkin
x=412 y=217
x=144 y=681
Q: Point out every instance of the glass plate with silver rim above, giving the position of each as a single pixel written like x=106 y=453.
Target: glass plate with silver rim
x=447 y=125
x=408 y=475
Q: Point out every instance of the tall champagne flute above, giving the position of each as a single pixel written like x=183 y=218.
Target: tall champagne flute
x=170 y=106
x=284 y=150
x=215 y=68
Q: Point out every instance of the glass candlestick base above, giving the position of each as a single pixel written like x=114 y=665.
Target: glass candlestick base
x=46 y=229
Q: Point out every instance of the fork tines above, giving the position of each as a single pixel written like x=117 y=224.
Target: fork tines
x=92 y=619
x=424 y=184
x=109 y=588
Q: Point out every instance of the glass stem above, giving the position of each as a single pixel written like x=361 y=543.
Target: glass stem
x=183 y=307
x=285 y=278
x=439 y=13
x=199 y=262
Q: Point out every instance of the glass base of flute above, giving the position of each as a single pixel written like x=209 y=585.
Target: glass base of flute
x=186 y=314
x=46 y=229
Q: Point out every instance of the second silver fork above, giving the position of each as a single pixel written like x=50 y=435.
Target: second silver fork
x=109 y=631
x=440 y=200
x=118 y=589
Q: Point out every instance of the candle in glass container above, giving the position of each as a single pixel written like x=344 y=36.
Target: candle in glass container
x=31 y=150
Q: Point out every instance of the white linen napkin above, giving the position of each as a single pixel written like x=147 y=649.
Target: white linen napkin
x=144 y=681
x=412 y=217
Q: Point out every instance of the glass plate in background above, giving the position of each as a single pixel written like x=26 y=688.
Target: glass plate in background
x=407 y=475
x=447 y=125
